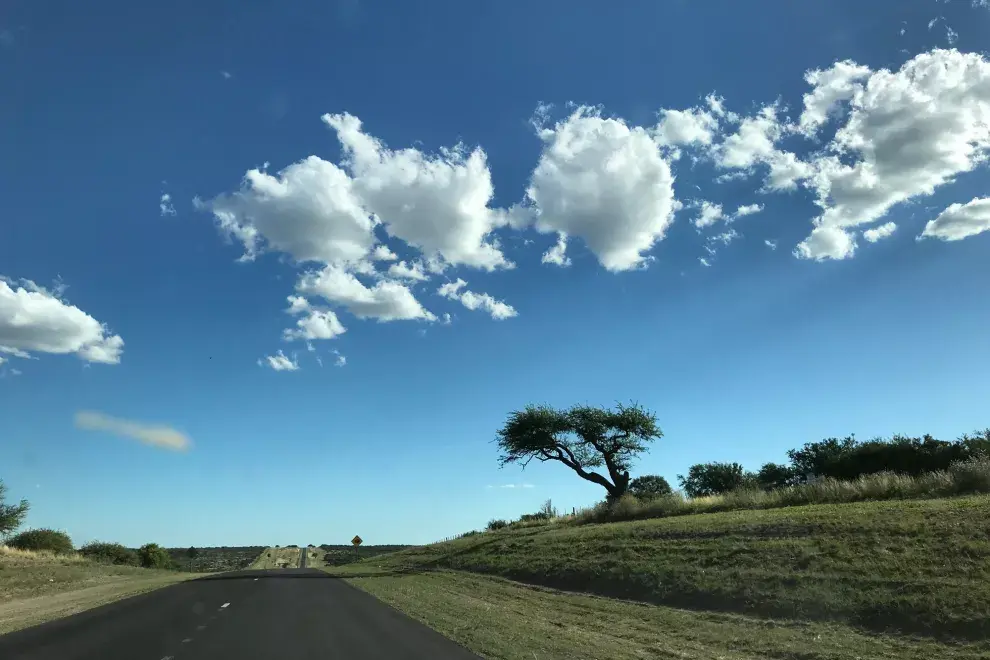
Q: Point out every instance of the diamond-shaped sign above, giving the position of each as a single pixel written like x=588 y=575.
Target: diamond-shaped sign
x=356 y=541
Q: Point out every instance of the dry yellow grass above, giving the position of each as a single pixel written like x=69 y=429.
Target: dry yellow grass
x=277 y=558
x=40 y=586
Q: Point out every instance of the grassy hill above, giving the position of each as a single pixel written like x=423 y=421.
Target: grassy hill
x=39 y=586
x=916 y=571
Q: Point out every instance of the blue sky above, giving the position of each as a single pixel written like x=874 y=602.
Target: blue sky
x=233 y=240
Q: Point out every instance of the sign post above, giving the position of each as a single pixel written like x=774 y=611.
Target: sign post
x=356 y=541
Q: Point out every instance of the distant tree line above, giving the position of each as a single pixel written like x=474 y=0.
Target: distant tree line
x=844 y=459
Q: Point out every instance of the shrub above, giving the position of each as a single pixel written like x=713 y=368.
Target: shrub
x=496 y=524
x=712 y=479
x=110 y=553
x=649 y=487
x=42 y=539
x=153 y=555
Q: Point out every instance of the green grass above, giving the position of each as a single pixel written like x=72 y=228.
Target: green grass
x=913 y=566
x=499 y=619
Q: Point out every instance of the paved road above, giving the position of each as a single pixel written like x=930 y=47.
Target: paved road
x=297 y=614
x=302 y=557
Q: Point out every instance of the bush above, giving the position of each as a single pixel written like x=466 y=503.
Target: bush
x=152 y=555
x=712 y=479
x=496 y=524
x=110 y=553
x=649 y=487
x=42 y=539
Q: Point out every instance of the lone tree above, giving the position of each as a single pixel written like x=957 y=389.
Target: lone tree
x=11 y=515
x=582 y=438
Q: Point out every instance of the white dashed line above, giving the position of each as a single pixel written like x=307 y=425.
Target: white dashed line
x=224 y=605
x=187 y=640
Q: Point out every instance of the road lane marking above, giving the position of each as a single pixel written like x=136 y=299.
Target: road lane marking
x=224 y=605
x=187 y=640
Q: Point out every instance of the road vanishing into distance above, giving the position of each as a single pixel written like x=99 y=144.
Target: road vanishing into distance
x=298 y=614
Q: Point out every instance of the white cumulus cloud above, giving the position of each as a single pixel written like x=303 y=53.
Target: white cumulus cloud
x=308 y=211
x=960 y=221
x=826 y=242
x=386 y=300
x=878 y=233
x=33 y=319
x=437 y=203
x=709 y=214
x=606 y=183
x=280 y=362
x=496 y=308
x=558 y=253
x=906 y=133
x=748 y=209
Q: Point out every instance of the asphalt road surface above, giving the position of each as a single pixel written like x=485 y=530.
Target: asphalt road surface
x=302 y=557
x=288 y=614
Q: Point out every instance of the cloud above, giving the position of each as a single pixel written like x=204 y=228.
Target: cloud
x=280 y=362
x=754 y=143
x=906 y=133
x=413 y=271
x=165 y=207
x=826 y=243
x=748 y=209
x=510 y=486
x=386 y=300
x=830 y=87
x=605 y=182
x=710 y=214
x=226 y=75
x=558 y=253
x=153 y=435
x=704 y=262
x=339 y=360
x=686 y=127
x=496 y=308
x=33 y=319
x=960 y=221
x=436 y=203
x=314 y=323
x=309 y=211
x=383 y=253
x=878 y=233
x=770 y=244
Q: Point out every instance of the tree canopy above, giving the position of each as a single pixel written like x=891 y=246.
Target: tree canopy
x=649 y=487
x=582 y=438
x=11 y=515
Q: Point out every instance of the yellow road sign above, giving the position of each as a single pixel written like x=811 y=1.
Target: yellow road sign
x=356 y=540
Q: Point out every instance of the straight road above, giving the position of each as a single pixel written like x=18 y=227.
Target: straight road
x=301 y=613
x=302 y=557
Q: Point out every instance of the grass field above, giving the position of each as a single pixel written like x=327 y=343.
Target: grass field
x=504 y=620
x=37 y=587
x=338 y=555
x=917 y=567
x=215 y=560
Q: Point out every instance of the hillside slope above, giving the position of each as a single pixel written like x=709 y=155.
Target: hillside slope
x=920 y=567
